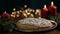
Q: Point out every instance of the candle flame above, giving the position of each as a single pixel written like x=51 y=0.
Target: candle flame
x=52 y=3
x=44 y=6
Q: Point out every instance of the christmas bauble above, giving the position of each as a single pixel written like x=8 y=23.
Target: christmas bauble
x=5 y=15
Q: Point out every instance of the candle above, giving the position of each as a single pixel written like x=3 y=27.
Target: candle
x=5 y=15
x=44 y=12
x=52 y=9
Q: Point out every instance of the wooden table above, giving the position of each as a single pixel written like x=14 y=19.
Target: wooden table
x=51 y=32
x=55 y=31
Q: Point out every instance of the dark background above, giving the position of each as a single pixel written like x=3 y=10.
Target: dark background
x=8 y=5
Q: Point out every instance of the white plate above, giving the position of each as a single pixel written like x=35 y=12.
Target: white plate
x=53 y=27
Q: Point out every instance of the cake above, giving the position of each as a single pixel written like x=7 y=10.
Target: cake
x=33 y=24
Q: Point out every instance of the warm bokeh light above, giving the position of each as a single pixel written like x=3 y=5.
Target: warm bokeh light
x=25 y=14
x=25 y=6
x=18 y=12
x=12 y=15
x=14 y=9
x=17 y=15
x=28 y=13
x=32 y=15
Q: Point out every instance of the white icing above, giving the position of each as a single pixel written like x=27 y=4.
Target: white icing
x=37 y=22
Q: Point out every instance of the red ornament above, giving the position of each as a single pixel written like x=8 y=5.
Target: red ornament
x=44 y=12
x=52 y=9
x=6 y=15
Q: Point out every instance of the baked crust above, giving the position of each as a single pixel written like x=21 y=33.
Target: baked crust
x=32 y=26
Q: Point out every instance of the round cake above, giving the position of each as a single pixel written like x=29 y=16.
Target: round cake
x=33 y=24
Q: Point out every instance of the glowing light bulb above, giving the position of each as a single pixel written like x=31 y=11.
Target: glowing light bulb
x=37 y=10
x=28 y=13
x=12 y=12
x=14 y=16
x=25 y=14
x=17 y=15
x=14 y=9
x=11 y=15
x=18 y=12
x=25 y=6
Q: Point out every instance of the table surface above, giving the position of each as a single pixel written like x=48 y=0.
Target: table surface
x=50 y=32
x=55 y=31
